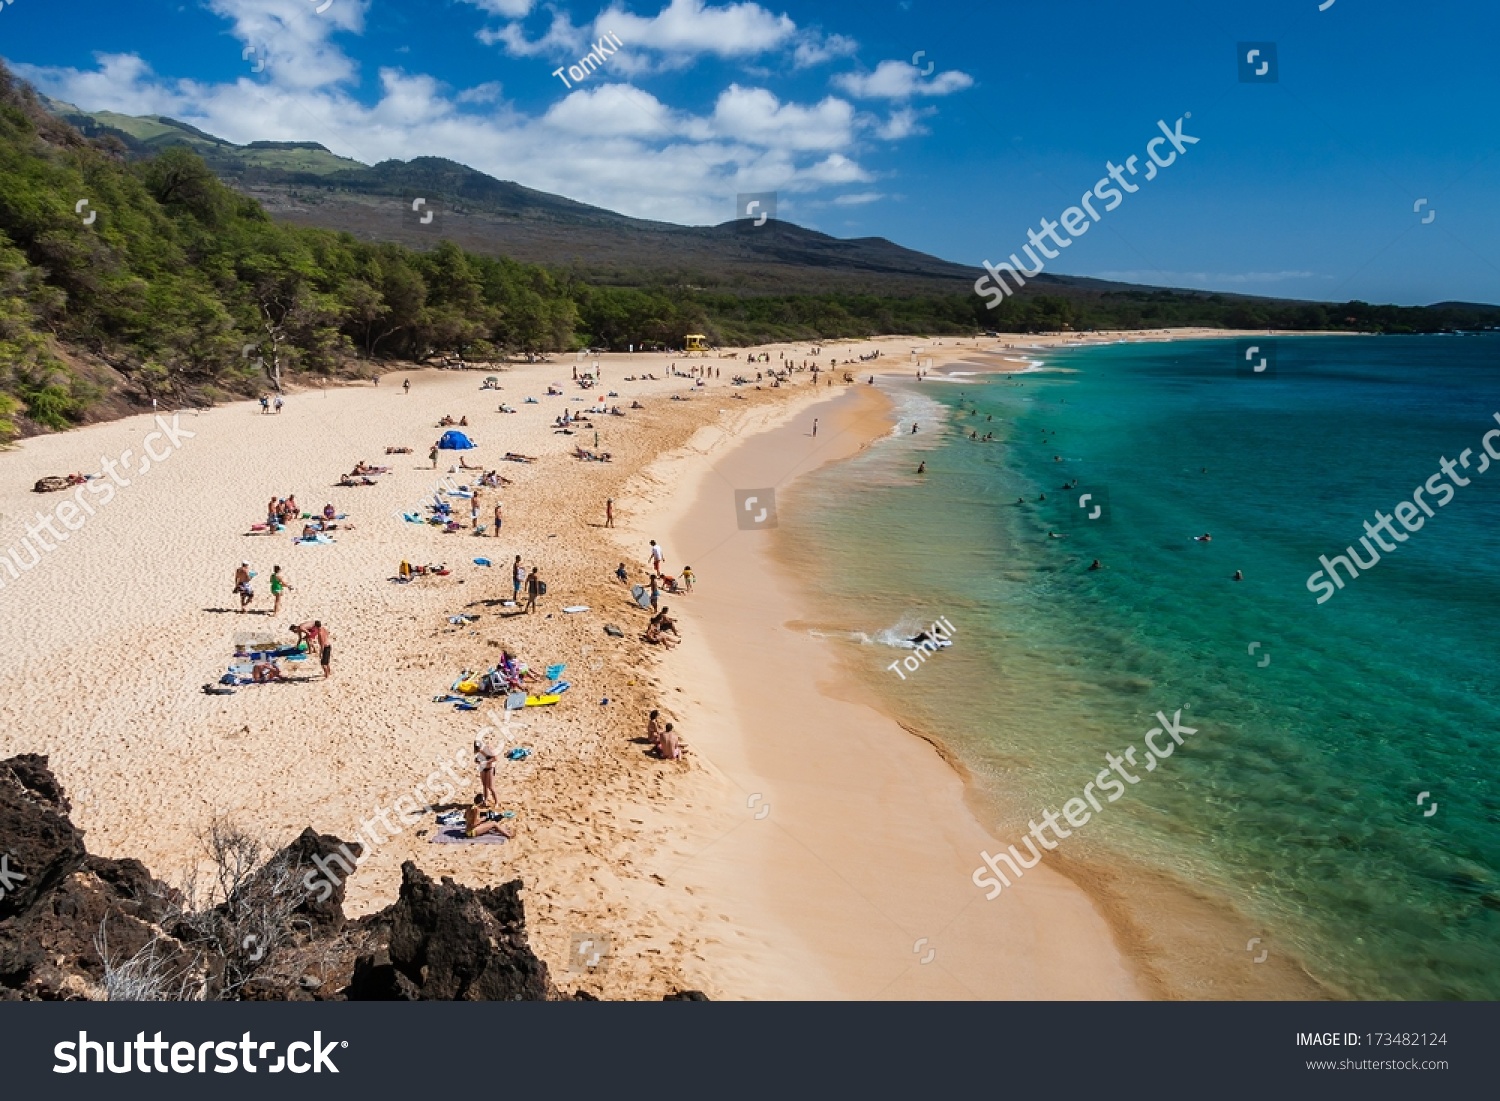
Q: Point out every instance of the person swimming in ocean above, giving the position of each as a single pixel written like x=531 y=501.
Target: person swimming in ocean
x=1204 y=538
x=922 y=468
x=1096 y=565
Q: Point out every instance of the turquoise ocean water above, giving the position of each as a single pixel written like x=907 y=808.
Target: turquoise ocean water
x=1298 y=798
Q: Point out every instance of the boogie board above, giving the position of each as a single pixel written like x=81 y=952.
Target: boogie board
x=642 y=597
x=483 y=562
x=541 y=701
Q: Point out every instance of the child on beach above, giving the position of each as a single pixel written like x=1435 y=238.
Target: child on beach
x=622 y=574
x=687 y=578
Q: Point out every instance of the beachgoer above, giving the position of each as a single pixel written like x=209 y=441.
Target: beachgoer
x=653 y=728
x=278 y=586
x=658 y=558
x=533 y=590
x=668 y=748
x=433 y=455
x=265 y=404
x=476 y=824
x=279 y=403
x=485 y=758
x=406 y=386
x=815 y=419
x=621 y=573
x=242 y=578
x=263 y=672
x=913 y=429
x=609 y=512
x=1204 y=538
x=922 y=468
x=1096 y=565
x=324 y=641
x=517 y=577
x=687 y=577
x=655 y=590
x=499 y=519
x=1238 y=576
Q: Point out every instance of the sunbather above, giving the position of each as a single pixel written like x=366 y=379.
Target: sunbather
x=476 y=824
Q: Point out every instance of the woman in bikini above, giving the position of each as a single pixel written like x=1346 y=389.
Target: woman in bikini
x=476 y=824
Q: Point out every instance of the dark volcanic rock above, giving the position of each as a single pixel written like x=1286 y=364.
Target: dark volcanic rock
x=449 y=942
x=54 y=920
x=75 y=926
x=39 y=847
x=323 y=866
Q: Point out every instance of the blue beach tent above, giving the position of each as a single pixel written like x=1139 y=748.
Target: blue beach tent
x=455 y=441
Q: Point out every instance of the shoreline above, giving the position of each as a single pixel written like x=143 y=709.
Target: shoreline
x=865 y=855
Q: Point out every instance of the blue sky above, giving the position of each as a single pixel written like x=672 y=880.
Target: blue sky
x=946 y=127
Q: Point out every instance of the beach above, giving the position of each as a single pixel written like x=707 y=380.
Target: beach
x=806 y=846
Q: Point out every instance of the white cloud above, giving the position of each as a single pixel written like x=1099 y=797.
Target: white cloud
x=291 y=37
x=858 y=198
x=901 y=80
x=562 y=39
x=756 y=117
x=511 y=9
x=692 y=27
x=904 y=123
x=813 y=49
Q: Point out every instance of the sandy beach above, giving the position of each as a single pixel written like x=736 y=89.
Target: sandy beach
x=805 y=847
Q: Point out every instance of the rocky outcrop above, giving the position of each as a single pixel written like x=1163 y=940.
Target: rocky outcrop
x=448 y=942
x=75 y=926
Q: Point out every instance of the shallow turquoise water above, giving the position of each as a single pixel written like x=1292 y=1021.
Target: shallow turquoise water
x=1298 y=796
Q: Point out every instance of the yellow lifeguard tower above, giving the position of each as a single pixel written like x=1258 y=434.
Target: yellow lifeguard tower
x=695 y=342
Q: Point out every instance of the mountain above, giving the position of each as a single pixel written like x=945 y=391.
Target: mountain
x=302 y=183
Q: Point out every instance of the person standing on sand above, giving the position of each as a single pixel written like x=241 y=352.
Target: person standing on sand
x=609 y=512
x=242 y=578
x=485 y=758
x=433 y=455
x=406 y=386
x=324 y=642
x=499 y=519
x=517 y=577
x=655 y=590
x=278 y=586
x=815 y=428
x=657 y=559
x=474 y=512
x=533 y=590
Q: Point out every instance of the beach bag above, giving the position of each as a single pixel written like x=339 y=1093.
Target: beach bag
x=541 y=588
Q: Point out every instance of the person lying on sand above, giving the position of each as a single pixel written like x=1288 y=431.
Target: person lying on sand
x=475 y=822
x=514 y=457
x=463 y=464
x=263 y=672
x=398 y=451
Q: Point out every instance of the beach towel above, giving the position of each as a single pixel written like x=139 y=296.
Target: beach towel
x=454 y=835
x=555 y=671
